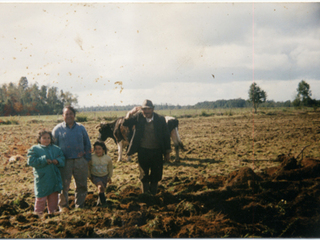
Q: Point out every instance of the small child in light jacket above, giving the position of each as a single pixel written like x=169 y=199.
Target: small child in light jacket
x=46 y=158
x=100 y=170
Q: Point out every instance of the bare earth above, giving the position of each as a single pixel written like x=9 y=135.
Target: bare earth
x=239 y=177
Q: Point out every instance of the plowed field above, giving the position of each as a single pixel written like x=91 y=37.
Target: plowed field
x=239 y=177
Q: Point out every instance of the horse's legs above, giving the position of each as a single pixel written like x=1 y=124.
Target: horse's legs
x=120 y=151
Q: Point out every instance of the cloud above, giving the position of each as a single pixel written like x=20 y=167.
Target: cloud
x=171 y=93
x=167 y=51
x=192 y=93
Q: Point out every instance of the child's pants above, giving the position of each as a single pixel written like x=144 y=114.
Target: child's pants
x=40 y=203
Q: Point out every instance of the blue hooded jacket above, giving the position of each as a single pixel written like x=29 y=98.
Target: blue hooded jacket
x=47 y=177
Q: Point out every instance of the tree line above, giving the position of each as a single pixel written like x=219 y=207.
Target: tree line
x=129 y=107
x=257 y=98
x=30 y=99
x=231 y=103
x=241 y=103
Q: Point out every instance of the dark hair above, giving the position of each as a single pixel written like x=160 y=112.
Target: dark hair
x=101 y=144
x=43 y=132
x=70 y=108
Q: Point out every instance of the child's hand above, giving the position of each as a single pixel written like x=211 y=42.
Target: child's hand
x=49 y=161
x=55 y=162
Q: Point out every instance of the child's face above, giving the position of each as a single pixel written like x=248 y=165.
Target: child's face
x=45 y=139
x=98 y=150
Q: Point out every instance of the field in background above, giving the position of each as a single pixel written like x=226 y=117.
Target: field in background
x=204 y=195
x=179 y=113
x=186 y=113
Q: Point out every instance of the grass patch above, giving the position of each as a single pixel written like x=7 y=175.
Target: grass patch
x=81 y=119
x=8 y=122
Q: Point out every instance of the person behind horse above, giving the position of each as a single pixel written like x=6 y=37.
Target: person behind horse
x=151 y=140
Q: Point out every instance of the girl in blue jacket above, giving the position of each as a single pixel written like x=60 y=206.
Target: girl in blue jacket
x=46 y=158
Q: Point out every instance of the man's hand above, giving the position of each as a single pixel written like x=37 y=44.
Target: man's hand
x=133 y=111
x=55 y=162
x=49 y=161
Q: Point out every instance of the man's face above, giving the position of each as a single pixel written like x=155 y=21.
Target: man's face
x=147 y=112
x=68 y=116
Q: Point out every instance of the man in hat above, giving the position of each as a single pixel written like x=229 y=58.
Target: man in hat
x=151 y=140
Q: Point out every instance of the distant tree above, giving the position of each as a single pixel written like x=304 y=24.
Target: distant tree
x=236 y=103
x=178 y=107
x=268 y=104
x=3 y=93
x=23 y=83
x=303 y=97
x=287 y=103
x=256 y=96
x=35 y=105
x=23 y=86
x=12 y=103
x=68 y=99
x=54 y=104
x=43 y=98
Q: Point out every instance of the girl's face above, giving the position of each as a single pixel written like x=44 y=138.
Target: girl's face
x=98 y=150
x=45 y=139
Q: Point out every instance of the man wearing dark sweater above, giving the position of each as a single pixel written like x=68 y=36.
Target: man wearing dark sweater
x=151 y=140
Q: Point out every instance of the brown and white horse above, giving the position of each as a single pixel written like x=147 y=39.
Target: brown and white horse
x=122 y=135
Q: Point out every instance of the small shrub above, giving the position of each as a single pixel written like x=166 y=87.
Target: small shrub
x=81 y=119
x=315 y=107
x=229 y=113
x=271 y=113
x=8 y=122
x=204 y=114
x=35 y=121
x=186 y=116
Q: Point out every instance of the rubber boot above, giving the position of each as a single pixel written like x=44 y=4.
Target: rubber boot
x=145 y=187
x=99 y=200
x=154 y=188
x=102 y=198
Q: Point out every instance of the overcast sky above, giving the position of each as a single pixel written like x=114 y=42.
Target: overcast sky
x=123 y=53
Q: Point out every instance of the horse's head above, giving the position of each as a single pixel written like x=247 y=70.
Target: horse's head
x=105 y=130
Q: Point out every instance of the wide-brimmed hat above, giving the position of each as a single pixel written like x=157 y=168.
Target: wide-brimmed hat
x=147 y=104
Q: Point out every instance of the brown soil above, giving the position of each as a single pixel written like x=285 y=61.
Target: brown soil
x=199 y=197
x=279 y=202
